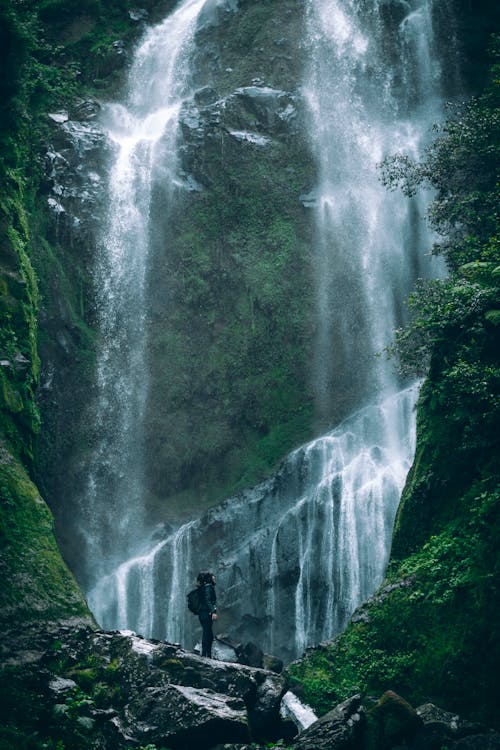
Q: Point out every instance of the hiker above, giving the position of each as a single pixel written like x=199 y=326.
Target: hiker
x=207 y=611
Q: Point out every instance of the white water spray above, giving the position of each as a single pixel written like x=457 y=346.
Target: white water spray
x=373 y=89
x=143 y=132
x=294 y=556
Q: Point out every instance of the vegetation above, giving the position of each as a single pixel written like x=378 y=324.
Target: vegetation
x=430 y=631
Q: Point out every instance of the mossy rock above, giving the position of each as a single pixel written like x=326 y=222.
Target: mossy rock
x=11 y=398
x=392 y=721
x=37 y=586
x=172 y=665
x=84 y=678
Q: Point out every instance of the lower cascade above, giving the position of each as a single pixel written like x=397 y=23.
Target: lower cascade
x=294 y=556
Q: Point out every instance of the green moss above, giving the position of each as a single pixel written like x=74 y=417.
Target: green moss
x=172 y=665
x=36 y=583
x=230 y=392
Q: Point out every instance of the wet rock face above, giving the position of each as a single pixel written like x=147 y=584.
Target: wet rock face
x=222 y=294
x=74 y=164
x=248 y=120
x=218 y=291
x=339 y=729
x=179 y=715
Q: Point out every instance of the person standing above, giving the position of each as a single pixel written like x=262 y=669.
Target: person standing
x=207 y=611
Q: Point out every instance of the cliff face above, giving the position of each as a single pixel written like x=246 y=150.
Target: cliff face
x=431 y=623
x=231 y=268
x=36 y=585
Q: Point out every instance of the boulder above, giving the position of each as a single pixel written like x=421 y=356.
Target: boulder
x=251 y=655
x=392 y=721
x=272 y=663
x=85 y=109
x=143 y=664
x=440 y=728
x=339 y=729
x=299 y=713
x=183 y=717
x=444 y=729
x=123 y=690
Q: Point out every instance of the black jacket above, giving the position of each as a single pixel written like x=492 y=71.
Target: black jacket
x=208 y=599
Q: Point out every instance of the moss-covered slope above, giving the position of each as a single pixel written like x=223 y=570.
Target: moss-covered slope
x=35 y=583
x=431 y=631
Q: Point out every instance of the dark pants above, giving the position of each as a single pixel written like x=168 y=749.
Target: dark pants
x=207 y=635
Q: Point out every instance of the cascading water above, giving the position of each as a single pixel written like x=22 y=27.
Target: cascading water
x=372 y=90
x=294 y=556
x=297 y=554
x=143 y=134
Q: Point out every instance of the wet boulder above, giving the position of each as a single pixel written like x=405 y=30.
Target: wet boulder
x=441 y=728
x=252 y=655
x=339 y=729
x=268 y=109
x=392 y=721
x=181 y=717
x=85 y=109
x=144 y=664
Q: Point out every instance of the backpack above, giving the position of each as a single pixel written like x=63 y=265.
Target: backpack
x=193 y=601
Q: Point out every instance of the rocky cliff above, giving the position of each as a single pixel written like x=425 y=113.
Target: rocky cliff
x=409 y=637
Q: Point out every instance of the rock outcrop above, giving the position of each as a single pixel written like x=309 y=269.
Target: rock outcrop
x=94 y=689
x=392 y=724
x=117 y=689
x=339 y=729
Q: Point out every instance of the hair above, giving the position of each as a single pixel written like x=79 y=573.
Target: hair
x=205 y=577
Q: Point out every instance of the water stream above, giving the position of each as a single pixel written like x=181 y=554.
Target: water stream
x=143 y=132
x=293 y=556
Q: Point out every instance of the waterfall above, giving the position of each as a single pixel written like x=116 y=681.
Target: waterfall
x=294 y=556
x=372 y=89
x=143 y=134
